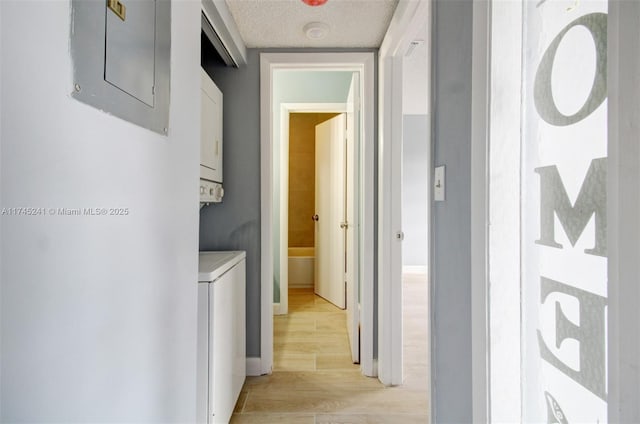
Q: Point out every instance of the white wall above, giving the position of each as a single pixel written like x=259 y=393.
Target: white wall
x=416 y=77
x=415 y=191
x=98 y=314
x=416 y=153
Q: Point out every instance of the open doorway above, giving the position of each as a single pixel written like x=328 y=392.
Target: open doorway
x=416 y=166
x=295 y=214
x=316 y=210
x=301 y=205
x=317 y=227
x=320 y=66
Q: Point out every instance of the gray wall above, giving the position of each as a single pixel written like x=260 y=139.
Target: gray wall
x=415 y=169
x=234 y=224
x=97 y=313
x=451 y=225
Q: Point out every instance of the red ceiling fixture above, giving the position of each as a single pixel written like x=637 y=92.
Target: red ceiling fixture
x=314 y=2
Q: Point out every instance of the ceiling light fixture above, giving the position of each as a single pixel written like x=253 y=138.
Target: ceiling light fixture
x=316 y=30
x=314 y=2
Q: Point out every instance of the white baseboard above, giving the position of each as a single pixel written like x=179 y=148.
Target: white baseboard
x=277 y=309
x=254 y=366
x=414 y=269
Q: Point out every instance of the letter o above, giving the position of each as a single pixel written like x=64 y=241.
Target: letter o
x=596 y=23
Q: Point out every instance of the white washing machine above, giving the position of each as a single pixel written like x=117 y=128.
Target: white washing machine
x=222 y=355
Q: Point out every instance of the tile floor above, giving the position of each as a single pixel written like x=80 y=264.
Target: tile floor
x=314 y=380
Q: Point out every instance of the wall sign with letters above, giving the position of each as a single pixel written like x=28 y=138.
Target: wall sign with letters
x=563 y=211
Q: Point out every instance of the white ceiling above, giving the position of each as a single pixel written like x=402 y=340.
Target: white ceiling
x=279 y=23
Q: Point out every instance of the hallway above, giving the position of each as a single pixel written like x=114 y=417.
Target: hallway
x=314 y=381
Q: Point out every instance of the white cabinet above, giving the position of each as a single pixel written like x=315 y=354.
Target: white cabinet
x=211 y=130
x=229 y=358
x=221 y=334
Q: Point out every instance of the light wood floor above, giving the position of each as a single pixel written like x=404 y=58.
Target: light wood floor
x=314 y=380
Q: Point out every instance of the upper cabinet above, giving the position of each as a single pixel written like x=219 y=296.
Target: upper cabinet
x=211 y=130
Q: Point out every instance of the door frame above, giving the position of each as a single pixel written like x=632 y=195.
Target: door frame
x=623 y=209
x=287 y=109
x=408 y=18
x=480 y=107
x=364 y=63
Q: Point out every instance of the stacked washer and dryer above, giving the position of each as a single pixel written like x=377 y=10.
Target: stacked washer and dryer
x=211 y=190
x=221 y=361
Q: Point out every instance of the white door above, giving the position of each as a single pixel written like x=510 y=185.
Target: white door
x=351 y=274
x=330 y=210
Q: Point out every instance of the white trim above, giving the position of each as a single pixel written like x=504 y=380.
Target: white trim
x=285 y=110
x=363 y=62
x=623 y=209
x=254 y=367
x=266 y=219
x=284 y=212
x=479 y=209
x=414 y=269
x=218 y=14
x=408 y=18
x=390 y=223
x=314 y=107
x=404 y=25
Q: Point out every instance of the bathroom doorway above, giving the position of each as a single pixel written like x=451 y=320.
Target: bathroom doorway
x=318 y=210
x=305 y=213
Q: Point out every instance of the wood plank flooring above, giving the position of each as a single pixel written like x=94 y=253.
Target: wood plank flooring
x=314 y=380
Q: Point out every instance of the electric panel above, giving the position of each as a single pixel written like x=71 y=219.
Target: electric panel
x=121 y=51
x=130 y=47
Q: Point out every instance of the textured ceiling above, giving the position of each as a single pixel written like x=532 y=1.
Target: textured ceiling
x=279 y=23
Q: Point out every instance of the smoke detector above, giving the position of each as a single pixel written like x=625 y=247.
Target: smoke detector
x=316 y=30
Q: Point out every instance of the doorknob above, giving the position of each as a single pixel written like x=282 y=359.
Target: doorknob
x=315 y=217
x=400 y=235
x=344 y=225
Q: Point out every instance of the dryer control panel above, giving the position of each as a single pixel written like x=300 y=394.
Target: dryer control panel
x=210 y=192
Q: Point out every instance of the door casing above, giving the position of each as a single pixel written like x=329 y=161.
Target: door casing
x=286 y=109
x=360 y=62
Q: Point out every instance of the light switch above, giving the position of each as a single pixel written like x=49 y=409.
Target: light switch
x=438 y=184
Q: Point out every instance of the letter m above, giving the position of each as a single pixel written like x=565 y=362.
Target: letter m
x=591 y=200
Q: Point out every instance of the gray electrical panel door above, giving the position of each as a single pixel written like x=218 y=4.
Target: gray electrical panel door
x=130 y=49
x=121 y=52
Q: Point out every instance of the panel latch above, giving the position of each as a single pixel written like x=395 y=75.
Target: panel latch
x=118 y=8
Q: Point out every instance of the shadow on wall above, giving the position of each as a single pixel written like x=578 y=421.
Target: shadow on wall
x=242 y=237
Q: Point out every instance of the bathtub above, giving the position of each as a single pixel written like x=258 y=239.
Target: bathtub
x=301 y=265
